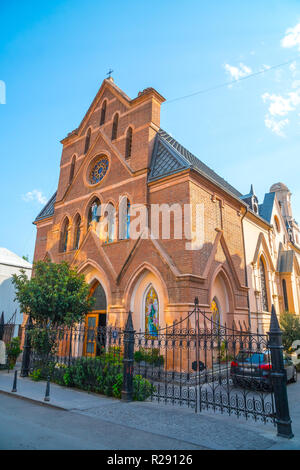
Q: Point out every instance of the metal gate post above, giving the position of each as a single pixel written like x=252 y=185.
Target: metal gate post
x=283 y=420
x=127 y=391
x=26 y=350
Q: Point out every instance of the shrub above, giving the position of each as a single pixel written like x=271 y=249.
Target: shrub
x=142 y=388
x=43 y=341
x=13 y=350
x=102 y=374
x=117 y=387
x=36 y=375
x=151 y=356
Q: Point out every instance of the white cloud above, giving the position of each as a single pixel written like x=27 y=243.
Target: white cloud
x=280 y=106
x=34 y=195
x=237 y=72
x=265 y=67
x=292 y=37
x=276 y=126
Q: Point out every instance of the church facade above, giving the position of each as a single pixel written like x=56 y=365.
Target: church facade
x=207 y=240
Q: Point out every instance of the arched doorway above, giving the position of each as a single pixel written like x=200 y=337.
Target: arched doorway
x=220 y=299
x=95 y=322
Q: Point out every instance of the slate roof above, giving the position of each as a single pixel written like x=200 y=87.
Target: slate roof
x=266 y=208
x=286 y=261
x=170 y=157
x=48 y=210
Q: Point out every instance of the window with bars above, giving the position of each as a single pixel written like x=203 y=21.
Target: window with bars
x=77 y=233
x=285 y=295
x=87 y=141
x=114 y=132
x=263 y=286
x=64 y=237
x=103 y=113
x=128 y=143
x=94 y=212
x=72 y=169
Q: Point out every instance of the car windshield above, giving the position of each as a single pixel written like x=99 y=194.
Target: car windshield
x=251 y=357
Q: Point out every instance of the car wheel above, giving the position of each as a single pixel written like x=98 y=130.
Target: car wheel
x=295 y=377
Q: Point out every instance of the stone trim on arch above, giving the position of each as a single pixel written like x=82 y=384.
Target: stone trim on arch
x=94 y=272
x=144 y=267
x=135 y=294
x=263 y=249
x=222 y=271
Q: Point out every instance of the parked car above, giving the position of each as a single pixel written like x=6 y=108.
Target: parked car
x=252 y=369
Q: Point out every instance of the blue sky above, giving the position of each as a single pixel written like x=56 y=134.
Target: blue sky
x=55 y=54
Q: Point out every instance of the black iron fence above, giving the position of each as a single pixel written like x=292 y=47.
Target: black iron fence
x=195 y=362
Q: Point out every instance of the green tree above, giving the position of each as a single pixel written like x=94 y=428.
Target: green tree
x=290 y=326
x=56 y=294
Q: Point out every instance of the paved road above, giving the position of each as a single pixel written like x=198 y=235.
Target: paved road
x=91 y=421
x=25 y=425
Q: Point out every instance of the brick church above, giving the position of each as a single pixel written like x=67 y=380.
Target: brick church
x=120 y=157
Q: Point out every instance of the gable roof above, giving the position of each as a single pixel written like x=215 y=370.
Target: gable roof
x=170 y=157
x=48 y=210
x=266 y=208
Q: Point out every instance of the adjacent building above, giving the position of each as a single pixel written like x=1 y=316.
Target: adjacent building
x=10 y=264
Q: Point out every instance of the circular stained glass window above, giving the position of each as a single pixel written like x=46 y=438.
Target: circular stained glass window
x=98 y=170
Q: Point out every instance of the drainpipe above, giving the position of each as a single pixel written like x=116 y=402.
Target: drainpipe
x=246 y=272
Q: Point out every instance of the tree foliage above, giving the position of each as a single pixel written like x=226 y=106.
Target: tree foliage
x=56 y=294
x=290 y=326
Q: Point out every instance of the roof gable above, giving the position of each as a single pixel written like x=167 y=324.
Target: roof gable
x=165 y=160
x=185 y=160
x=48 y=210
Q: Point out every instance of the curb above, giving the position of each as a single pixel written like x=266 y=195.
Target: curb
x=32 y=400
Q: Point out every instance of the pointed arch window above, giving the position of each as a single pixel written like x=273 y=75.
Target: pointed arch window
x=263 y=286
x=124 y=219
x=77 y=233
x=87 y=141
x=216 y=314
x=94 y=212
x=128 y=143
x=103 y=113
x=72 y=169
x=285 y=295
x=64 y=237
x=108 y=226
x=151 y=312
x=114 y=132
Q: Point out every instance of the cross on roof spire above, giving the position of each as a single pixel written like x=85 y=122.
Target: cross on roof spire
x=109 y=73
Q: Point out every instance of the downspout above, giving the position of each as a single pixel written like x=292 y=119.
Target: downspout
x=246 y=271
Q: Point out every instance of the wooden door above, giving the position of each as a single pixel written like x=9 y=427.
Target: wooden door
x=91 y=329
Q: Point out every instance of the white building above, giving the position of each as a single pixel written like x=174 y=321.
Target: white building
x=10 y=264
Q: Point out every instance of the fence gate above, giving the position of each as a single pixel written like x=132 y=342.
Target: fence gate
x=196 y=362
x=208 y=366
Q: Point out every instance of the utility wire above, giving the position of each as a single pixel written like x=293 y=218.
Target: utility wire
x=222 y=85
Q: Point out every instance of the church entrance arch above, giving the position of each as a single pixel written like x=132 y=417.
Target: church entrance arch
x=95 y=322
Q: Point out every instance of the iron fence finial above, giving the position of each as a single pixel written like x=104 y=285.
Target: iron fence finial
x=129 y=323
x=274 y=324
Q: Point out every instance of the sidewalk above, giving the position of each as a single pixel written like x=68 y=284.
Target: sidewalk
x=205 y=430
